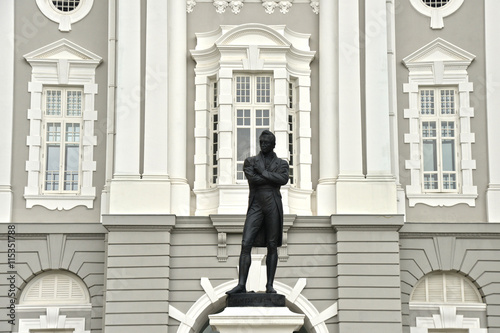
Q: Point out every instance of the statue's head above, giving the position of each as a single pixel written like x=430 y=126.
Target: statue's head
x=267 y=141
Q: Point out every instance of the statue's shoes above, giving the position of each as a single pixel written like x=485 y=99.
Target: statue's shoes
x=270 y=290
x=239 y=289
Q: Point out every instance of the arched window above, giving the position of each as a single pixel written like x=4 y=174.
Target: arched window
x=445 y=287
x=438 y=301
x=54 y=297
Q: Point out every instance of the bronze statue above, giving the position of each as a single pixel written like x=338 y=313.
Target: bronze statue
x=265 y=173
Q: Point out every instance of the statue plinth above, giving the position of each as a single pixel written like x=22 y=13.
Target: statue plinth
x=256 y=313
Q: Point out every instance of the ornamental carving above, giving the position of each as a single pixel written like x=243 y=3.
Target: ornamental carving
x=269 y=6
x=236 y=6
x=190 y=5
x=220 y=6
x=315 y=6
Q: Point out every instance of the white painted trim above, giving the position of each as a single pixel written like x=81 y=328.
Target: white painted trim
x=47 y=65
x=448 y=319
x=440 y=63
x=6 y=108
x=198 y=313
x=492 y=46
x=437 y=14
x=65 y=19
x=248 y=47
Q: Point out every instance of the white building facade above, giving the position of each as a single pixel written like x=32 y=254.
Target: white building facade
x=126 y=124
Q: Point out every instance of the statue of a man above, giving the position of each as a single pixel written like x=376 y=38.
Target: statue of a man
x=265 y=173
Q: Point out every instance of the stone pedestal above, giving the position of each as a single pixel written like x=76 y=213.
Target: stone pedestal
x=256 y=313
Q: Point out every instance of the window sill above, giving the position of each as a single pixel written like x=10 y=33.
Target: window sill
x=442 y=199
x=59 y=202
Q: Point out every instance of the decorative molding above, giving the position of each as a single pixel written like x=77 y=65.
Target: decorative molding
x=61 y=62
x=437 y=14
x=440 y=63
x=236 y=6
x=315 y=6
x=190 y=4
x=284 y=6
x=215 y=298
x=447 y=319
x=65 y=19
x=220 y=6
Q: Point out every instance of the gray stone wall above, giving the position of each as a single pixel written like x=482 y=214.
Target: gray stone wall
x=79 y=249
x=465 y=29
x=32 y=31
x=470 y=249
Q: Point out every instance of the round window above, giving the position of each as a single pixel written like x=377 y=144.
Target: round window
x=66 y=6
x=435 y=3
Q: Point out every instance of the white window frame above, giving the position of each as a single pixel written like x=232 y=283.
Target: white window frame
x=63 y=120
x=438 y=118
x=253 y=48
x=61 y=64
x=440 y=63
x=253 y=106
x=65 y=19
x=437 y=14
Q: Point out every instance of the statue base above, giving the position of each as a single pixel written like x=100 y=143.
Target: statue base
x=256 y=313
x=255 y=300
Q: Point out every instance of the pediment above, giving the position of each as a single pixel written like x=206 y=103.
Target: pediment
x=62 y=49
x=253 y=34
x=439 y=50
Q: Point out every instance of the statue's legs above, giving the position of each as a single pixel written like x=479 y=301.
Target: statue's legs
x=271 y=264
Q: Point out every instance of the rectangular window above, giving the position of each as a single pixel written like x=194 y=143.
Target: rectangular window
x=253 y=108
x=62 y=124
x=291 y=130
x=439 y=126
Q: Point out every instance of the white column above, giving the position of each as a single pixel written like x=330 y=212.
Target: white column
x=177 y=94
x=350 y=138
x=381 y=184
x=349 y=183
x=6 y=107
x=128 y=92
x=492 y=8
x=328 y=107
x=155 y=122
x=378 y=145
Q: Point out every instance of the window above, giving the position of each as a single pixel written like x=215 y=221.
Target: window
x=62 y=116
x=241 y=89
x=439 y=116
x=445 y=287
x=436 y=3
x=253 y=115
x=62 y=127
x=436 y=10
x=65 y=12
x=66 y=6
x=439 y=133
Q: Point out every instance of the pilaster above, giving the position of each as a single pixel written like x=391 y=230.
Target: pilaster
x=328 y=107
x=137 y=273
x=128 y=93
x=368 y=273
x=177 y=118
x=6 y=108
x=492 y=43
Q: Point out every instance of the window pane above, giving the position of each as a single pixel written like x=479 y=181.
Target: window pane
x=427 y=102
x=71 y=163
x=243 y=139
x=448 y=129
x=53 y=103
x=429 y=129
x=74 y=103
x=73 y=132
x=53 y=132
x=447 y=101
x=263 y=89
x=243 y=89
x=52 y=167
x=448 y=155
x=429 y=151
x=449 y=181
x=431 y=181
